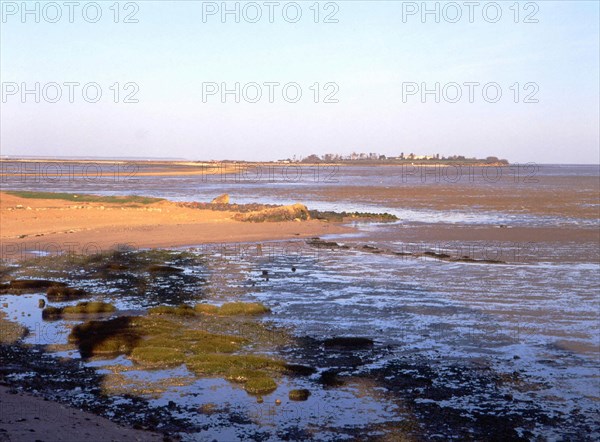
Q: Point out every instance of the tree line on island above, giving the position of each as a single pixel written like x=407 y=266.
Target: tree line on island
x=377 y=158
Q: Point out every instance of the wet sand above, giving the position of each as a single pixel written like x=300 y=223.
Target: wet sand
x=28 y=418
x=54 y=226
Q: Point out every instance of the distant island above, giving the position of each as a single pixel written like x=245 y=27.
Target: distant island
x=371 y=159
x=375 y=158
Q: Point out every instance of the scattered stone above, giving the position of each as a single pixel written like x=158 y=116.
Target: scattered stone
x=330 y=378
x=32 y=284
x=260 y=385
x=299 y=395
x=348 y=342
x=319 y=243
x=221 y=199
x=208 y=408
x=156 y=268
x=116 y=266
x=437 y=255
x=81 y=308
x=64 y=293
x=283 y=213
x=302 y=370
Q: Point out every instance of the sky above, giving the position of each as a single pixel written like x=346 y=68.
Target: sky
x=360 y=66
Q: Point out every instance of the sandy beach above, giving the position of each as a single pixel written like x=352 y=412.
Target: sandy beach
x=56 y=225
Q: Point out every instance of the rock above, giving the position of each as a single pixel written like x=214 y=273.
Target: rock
x=319 y=243
x=330 y=378
x=299 y=395
x=302 y=370
x=208 y=408
x=33 y=284
x=156 y=268
x=221 y=199
x=348 y=342
x=116 y=266
x=41 y=303
x=275 y=214
x=64 y=293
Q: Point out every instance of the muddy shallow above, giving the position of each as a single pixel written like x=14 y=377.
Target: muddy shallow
x=479 y=355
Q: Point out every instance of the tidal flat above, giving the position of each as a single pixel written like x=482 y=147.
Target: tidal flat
x=467 y=312
x=197 y=351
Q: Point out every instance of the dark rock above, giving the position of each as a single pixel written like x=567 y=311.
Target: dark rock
x=30 y=284
x=299 y=395
x=348 y=342
x=116 y=266
x=64 y=293
x=157 y=268
x=330 y=378
x=302 y=370
x=437 y=255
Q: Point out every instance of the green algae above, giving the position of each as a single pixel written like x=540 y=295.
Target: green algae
x=81 y=308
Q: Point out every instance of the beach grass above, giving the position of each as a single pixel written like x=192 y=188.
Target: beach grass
x=88 y=198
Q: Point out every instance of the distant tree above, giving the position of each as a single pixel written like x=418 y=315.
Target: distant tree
x=313 y=158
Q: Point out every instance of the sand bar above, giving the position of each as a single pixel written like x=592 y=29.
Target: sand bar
x=52 y=224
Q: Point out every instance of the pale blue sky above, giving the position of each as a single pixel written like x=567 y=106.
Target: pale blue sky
x=369 y=54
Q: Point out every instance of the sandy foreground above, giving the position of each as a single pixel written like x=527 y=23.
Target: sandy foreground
x=55 y=225
x=26 y=418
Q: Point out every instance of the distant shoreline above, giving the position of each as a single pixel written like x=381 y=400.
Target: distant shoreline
x=10 y=166
x=186 y=162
